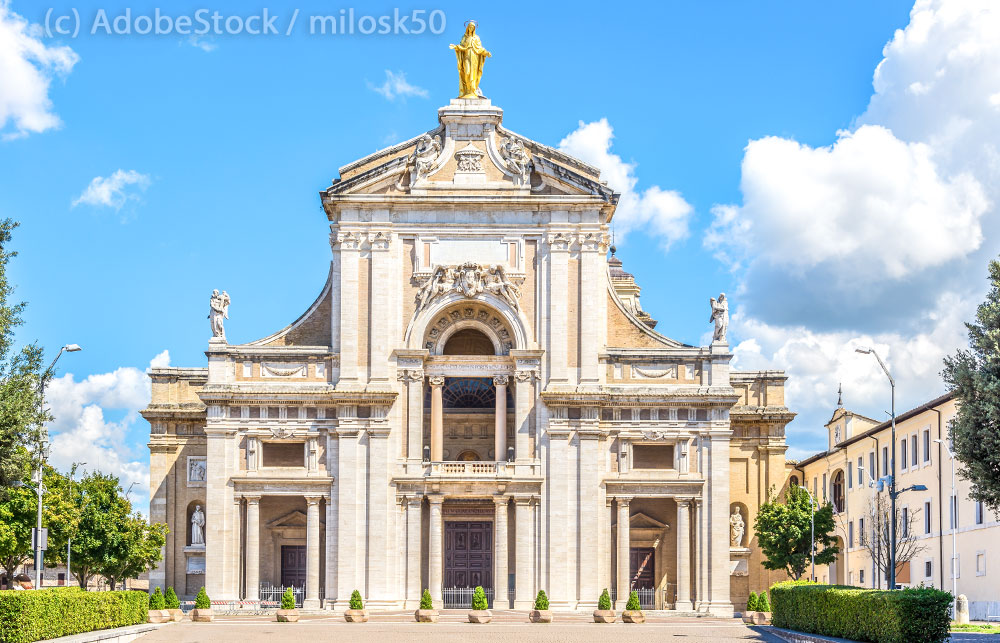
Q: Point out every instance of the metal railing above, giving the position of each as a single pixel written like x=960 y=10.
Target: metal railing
x=270 y=595
x=646 y=597
x=461 y=597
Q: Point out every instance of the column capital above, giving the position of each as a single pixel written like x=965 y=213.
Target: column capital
x=623 y=501
x=414 y=501
x=252 y=499
x=435 y=499
x=410 y=374
x=313 y=500
x=523 y=500
x=500 y=500
x=500 y=380
x=684 y=502
x=436 y=380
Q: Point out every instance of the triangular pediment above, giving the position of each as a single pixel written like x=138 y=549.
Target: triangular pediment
x=639 y=520
x=294 y=518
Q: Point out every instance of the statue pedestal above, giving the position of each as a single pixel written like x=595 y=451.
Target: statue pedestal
x=739 y=558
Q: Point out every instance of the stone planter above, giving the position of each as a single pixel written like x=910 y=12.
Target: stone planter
x=426 y=616
x=287 y=616
x=540 y=616
x=176 y=615
x=757 y=618
x=604 y=616
x=356 y=616
x=202 y=616
x=633 y=616
x=480 y=616
x=158 y=616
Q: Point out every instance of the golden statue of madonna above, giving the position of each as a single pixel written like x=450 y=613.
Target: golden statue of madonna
x=471 y=56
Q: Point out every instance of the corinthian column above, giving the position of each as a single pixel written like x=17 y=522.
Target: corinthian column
x=500 y=424
x=624 y=548
x=437 y=419
x=312 y=553
x=683 y=555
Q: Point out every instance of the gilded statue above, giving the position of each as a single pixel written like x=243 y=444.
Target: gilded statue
x=471 y=55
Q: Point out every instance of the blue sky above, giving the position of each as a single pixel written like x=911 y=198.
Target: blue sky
x=147 y=170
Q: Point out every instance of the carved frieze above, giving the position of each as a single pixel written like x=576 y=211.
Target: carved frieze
x=470 y=160
x=282 y=369
x=469 y=279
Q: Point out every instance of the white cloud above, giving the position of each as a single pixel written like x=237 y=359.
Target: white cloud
x=113 y=191
x=81 y=432
x=27 y=67
x=662 y=213
x=202 y=43
x=396 y=85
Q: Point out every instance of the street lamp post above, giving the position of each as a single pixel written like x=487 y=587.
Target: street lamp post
x=812 y=530
x=892 y=464
x=39 y=488
x=954 y=530
x=874 y=543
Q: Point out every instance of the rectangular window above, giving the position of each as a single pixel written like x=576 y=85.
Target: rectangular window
x=906 y=522
x=979 y=512
x=953 y=512
x=824 y=486
x=850 y=477
x=902 y=453
x=913 y=450
x=861 y=531
x=815 y=488
x=861 y=577
x=927 y=517
x=283 y=454
x=850 y=534
x=928 y=569
x=872 y=471
x=927 y=445
x=980 y=563
x=885 y=461
x=861 y=475
x=653 y=456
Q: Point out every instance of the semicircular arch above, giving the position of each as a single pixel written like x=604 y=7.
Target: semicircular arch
x=495 y=318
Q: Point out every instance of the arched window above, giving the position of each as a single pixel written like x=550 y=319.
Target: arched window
x=793 y=481
x=469 y=341
x=837 y=492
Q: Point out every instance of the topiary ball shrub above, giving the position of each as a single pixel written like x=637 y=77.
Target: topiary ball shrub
x=156 y=600
x=356 y=602
x=763 y=604
x=479 y=599
x=633 y=601
x=288 y=600
x=541 y=601
x=170 y=600
x=604 y=602
x=425 y=600
x=201 y=601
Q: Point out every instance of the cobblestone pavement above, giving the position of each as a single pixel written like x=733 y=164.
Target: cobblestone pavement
x=506 y=627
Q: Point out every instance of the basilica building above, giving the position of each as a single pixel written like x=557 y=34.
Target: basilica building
x=476 y=397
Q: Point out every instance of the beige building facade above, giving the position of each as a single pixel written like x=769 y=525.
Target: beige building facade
x=476 y=397
x=941 y=523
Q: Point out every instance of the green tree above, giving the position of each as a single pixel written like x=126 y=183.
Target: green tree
x=425 y=601
x=356 y=602
x=201 y=601
x=21 y=414
x=479 y=599
x=973 y=375
x=541 y=601
x=18 y=513
x=633 y=602
x=783 y=532
x=170 y=599
x=156 y=601
x=288 y=600
x=604 y=602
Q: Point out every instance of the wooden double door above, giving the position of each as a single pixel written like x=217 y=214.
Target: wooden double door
x=642 y=567
x=468 y=553
x=293 y=565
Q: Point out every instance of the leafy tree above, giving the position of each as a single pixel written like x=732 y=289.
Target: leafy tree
x=288 y=600
x=170 y=600
x=783 y=532
x=356 y=602
x=974 y=377
x=541 y=601
x=18 y=513
x=633 y=602
x=425 y=601
x=604 y=602
x=201 y=601
x=21 y=413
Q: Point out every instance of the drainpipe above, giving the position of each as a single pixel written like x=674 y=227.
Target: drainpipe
x=874 y=535
x=940 y=504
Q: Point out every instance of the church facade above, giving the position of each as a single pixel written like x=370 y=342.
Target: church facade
x=476 y=397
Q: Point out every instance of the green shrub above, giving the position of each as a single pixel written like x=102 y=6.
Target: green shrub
x=541 y=601
x=156 y=601
x=915 y=615
x=201 y=601
x=633 y=601
x=752 y=602
x=51 y=613
x=479 y=599
x=604 y=602
x=763 y=605
x=288 y=599
x=171 y=600
x=425 y=600
x=356 y=603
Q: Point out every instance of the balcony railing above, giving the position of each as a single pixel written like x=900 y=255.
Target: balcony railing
x=472 y=468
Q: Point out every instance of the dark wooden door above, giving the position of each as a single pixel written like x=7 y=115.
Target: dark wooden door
x=293 y=565
x=468 y=554
x=641 y=563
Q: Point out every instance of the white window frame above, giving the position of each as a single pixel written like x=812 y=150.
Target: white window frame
x=929 y=561
x=904 y=454
x=980 y=512
x=981 y=572
x=928 y=518
x=926 y=437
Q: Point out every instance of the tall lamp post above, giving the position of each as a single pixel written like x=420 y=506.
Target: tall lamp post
x=864 y=350
x=812 y=530
x=954 y=529
x=68 y=348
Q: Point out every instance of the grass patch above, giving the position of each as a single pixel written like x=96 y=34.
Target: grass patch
x=980 y=628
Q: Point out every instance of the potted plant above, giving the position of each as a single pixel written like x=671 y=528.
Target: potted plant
x=157 y=608
x=287 y=613
x=633 y=613
x=426 y=613
x=541 y=613
x=173 y=605
x=604 y=613
x=480 y=612
x=202 y=612
x=357 y=612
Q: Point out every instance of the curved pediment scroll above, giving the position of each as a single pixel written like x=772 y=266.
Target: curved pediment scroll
x=469 y=279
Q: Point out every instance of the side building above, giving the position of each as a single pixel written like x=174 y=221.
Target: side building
x=947 y=534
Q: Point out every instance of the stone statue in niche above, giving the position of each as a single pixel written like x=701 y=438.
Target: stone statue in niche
x=198 y=526
x=720 y=315
x=218 y=311
x=736 y=528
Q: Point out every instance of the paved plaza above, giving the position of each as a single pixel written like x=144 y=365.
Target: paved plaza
x=507 y=626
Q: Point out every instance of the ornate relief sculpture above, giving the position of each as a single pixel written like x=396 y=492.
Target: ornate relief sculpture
x=470 y=279
x=218 y=311
x=470 y=159
x=720 y=315
x=471 y=56
x=198 y=526
x=425 y=157
x=513 y=154
x=736 y=528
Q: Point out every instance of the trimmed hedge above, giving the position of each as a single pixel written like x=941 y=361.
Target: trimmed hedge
x=914 y=615
x=49 y=613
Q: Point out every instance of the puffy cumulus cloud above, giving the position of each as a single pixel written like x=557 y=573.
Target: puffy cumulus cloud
x=396 y=85
x=662 y=213
x=114 y=191
x=27 y=67
x=81 y=430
